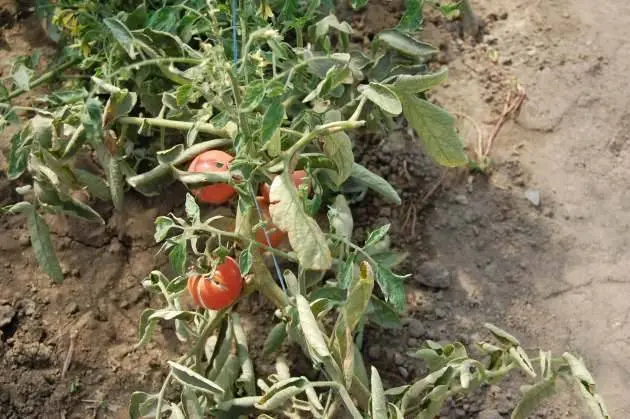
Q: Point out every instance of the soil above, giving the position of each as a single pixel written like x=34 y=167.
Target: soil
x=551 y=272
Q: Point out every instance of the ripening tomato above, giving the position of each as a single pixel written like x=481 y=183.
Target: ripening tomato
x=298 y=178
x=219 y=290
x=276 y=236
x=212 y=161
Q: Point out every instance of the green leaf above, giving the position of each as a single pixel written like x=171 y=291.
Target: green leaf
x=436 y=128
x=272 y=120
x=359 y=296
x=170 y=314
x=116 y=180
x=533 y=397
x=383 y=314
x=305 y=235
x=18 y=157
x=392 y=286
x=358 y=4
x=413 y=17
x=177 y=257
x=382 y=96
x=345 y=275
x=378 y=402
x=162 y=227
x=43 y=246
x=418 y=388
x=23 y=207
x=376 y=183
x=275 y=338
x=377 y=235
x=92 y=118
x=95 y=185
x=253 y=96
x=340 y=217
x=188 y=377
x=310 y=329
x=192 y=209
x=245 y=260
x=122 y=35
x=411 y=84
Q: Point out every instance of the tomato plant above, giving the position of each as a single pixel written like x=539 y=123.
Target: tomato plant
x=228 y=98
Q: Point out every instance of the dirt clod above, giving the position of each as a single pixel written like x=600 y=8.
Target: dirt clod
x=433 y=274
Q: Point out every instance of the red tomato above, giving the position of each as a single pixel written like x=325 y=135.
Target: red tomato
x=276 y=236
x=298 y=178
x=220 y=290
x=212 y=161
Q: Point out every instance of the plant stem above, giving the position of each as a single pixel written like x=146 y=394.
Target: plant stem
x=158 y=408
x=326 y=129
x=172 y=124
x=44 y=78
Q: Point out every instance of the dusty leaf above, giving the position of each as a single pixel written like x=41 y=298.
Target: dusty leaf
x=310 y=329
x=533 y=396
x=359 y=296
x=340 y=217
x=305 y=235
x=405 y=44
x=410 y=84
x=384 y=97
x=43 y=246
x=376 y=183
x=190 y=378
x=436 y=128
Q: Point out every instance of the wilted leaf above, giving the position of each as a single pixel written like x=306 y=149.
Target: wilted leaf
x=382 y=96
x=142 y=405
x=281 y=392
x=43 y=246
x=305 y=235
x=145 y=327
x=533 y=397
x=323 y=26
x=411 y=84
x=392 y=286
x=245 y=260
x=359 y=296
x=501 y=335
x=405 y=44
x=119 y=104
x=436 y=128
x=338 y=148
x=311 y=330
x=586 y=383
x=18 y=157
x=95 y=185
x=376 y=183
x=22 y=77
x=116 y=180
x=340 y=217
x=190 y=378
x=379 y=403
x=192 y=209
x=518 y=354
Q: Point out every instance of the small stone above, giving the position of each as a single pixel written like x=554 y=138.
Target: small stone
x=72 y=308
x=374 y=351
x=399 y=359
x=433 y=275
x=507 y=61
x=489 y=414
x=115 y=247
x=27 y=307
x=412 y=342
x=416 y=329
x=403 y=372
x=24 y=240
x=460 y=413
x=461 y=199
x=533 y=196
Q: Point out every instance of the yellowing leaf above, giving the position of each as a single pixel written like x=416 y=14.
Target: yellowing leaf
x=338 y=148
x=306 y=237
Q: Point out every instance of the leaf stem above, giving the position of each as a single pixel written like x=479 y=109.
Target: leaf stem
x=172 y=124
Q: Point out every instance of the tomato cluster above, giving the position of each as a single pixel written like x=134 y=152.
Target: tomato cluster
x=224 y=286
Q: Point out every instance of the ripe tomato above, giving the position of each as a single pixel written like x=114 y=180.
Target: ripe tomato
x=298 y=177
x=276 y=236
x=220 y=290
x=212 y=161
